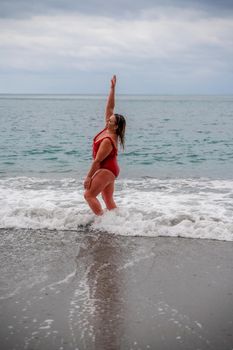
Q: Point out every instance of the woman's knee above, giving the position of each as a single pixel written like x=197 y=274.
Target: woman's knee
x=87 y=195
x=103 y=196
x=106 y=197
x=110 y=203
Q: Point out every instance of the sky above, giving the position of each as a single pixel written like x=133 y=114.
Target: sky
x=153 y=47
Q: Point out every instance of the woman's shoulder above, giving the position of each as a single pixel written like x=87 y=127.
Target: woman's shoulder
x=109 y=139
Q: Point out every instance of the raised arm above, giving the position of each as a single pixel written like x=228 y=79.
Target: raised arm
x=111 y=100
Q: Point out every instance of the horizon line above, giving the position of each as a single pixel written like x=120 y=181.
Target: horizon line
x=119 y=94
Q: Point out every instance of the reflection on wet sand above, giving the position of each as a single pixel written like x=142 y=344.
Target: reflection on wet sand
x=95 y=291
x=101 y=309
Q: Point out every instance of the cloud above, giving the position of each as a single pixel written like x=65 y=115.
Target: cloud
x=113 y=9
x=84 y=42
x=160 y=44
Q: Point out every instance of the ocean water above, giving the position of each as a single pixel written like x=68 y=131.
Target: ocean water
x=176 y=170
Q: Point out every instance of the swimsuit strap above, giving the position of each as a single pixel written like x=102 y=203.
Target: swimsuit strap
x=108 y=137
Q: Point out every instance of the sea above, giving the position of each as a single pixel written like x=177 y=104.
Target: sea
x=176 y=171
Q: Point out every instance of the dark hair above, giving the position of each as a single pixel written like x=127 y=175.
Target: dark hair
x=120 y=131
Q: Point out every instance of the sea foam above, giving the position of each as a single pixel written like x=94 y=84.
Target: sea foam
x=193 y=208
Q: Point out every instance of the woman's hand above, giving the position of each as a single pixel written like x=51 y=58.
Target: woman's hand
x=113 y=81
x=87 y=183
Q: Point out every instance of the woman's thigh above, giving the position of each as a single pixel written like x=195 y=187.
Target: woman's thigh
x=107 y=192
x=99 y=181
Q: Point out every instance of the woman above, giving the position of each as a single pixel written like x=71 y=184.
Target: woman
x=104 y=169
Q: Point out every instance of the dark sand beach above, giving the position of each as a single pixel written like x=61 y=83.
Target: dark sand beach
x=88 y=290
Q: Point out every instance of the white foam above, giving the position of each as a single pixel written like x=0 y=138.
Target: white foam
x=63 y=281
x=146 y=207
x=46 y=324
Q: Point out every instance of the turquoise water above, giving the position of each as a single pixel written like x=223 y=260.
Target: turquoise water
x=176 y=171
x=167 y=136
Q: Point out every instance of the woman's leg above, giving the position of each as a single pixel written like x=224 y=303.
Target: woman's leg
x=107 y=195
x=100 y=180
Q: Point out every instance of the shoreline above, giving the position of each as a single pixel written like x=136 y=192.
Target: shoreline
x=86 y=290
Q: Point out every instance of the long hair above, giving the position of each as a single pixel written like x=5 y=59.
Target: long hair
x=120 y=131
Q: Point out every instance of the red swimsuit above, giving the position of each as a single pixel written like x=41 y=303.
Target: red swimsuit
x=110 y=162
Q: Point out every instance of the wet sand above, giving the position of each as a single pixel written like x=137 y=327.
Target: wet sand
x=84 y=290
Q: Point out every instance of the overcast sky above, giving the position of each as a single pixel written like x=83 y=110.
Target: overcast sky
x=154 y=47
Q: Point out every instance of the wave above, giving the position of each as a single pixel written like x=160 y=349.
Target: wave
x=192 y=208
